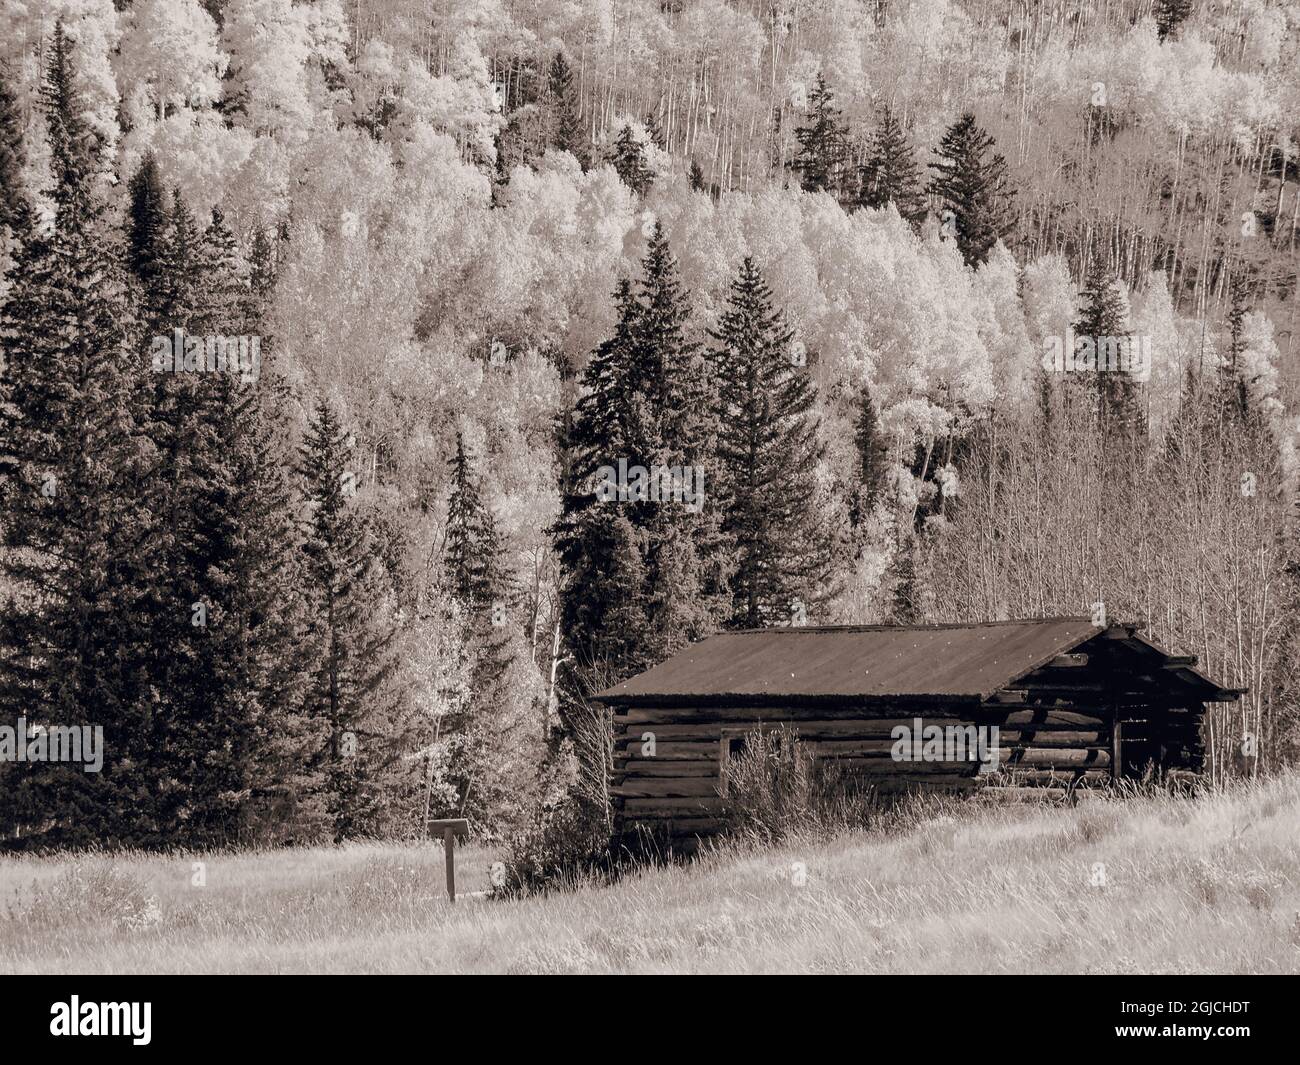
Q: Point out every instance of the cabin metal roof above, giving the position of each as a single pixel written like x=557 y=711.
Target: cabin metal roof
x=971 y=661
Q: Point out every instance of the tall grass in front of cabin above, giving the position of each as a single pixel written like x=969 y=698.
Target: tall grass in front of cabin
x=774 y=789
x=1154 y=883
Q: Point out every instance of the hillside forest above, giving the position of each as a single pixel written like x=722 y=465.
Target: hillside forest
x=333 y=332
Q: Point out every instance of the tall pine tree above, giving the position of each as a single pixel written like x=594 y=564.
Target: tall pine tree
x=768 y=450
x=872 y=457
x=243 y=735
x=14 y=205
x=349 y=633
x=1104 y=323
x=628 y=158
x=890 y=173
x=476 y=577
x=72 y=465
x=972 y=188
x=568 y=133
x=822 y=162
x=1170 y=15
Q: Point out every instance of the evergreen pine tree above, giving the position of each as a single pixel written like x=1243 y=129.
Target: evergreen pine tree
x=243 y=737
x=695 y=177
x=903 y=580
x=147 y=225
x=348 y=633
x=71 y=469
x=569 y=134
x=14 y=205
x=628 y=157
x=1170 y=15
x=823 y=145
x=1104 y=321
x=476 y=577
x=972 y=188
x=648 y=402
x=587 y=538
x=890 y=173
x=262 y=271
x=768 y=451
x=1234 y=395
x=872 y=456
x=674 y=419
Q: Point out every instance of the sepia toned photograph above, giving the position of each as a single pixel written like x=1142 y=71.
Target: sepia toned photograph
x=649 y=487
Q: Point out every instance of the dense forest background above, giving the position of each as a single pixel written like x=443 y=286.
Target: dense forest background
x=817 y=249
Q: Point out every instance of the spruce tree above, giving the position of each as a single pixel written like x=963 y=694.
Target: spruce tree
x=476 y=576
x=872 y=457
x=903 y=580
x=822 y=160
x=972 y=188
x=147 y=224
x=1104 y=322
x=348 y=634
x=262 y=271
x=14 y=205
x=73 y=461
x=603 y=428
x=647 y=402
x=668 y=367
x=1234 y=395
x=695 y=177
x=244 y=738
x=471 y=552
x=165 y=250
x=628 y=158
x=1170 y=15
x=768 y=451
x=569 y=134
x=674 y=416
x=890 y=173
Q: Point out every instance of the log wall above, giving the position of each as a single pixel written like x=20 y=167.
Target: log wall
x=1056 y=740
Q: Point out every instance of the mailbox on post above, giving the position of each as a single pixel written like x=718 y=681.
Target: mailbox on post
x=449 y=828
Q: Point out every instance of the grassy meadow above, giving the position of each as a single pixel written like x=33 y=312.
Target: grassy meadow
x=1146 y=884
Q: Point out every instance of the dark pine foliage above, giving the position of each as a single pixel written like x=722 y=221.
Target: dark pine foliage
x=14 y=206
x=1170 y=15
x=971 y=186
x=647 y=400
x=247 y=735
x=1104 y=318
x=890 y=173
x=348 y=634
x=73 y=462
x=568 y=132
x=768 y=448
x=628 y=158
x=695 y=177
x=147 y=224
x=822 y=162
x=872 y=456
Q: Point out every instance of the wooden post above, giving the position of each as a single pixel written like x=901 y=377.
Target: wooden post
x=451 y=827
x=449 y=846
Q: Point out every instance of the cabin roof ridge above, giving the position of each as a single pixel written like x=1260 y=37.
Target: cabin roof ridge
x=921 y=627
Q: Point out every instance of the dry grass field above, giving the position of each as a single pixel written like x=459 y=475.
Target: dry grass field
x=1144 y=885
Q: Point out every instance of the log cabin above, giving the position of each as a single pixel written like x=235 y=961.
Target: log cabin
x=1074 y=704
